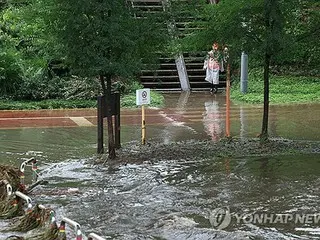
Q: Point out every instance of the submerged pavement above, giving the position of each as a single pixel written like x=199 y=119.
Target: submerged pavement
x=172 y=198
x=186 y=113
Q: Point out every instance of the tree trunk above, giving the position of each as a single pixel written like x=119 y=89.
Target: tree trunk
x=103 y=85
x=107 y=93
x=264 y=132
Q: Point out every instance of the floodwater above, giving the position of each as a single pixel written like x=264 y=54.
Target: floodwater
x=267 y=197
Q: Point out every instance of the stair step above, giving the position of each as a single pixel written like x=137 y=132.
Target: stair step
x=141 y=14
x=204 y=81
x=165 y=90
x=190 y=71
x=158 y=71
x=160 y=77
x=147 y=1
x=158 y=83
x=193 y=64
x=164 y=76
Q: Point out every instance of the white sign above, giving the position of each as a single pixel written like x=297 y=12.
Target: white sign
x=143 y=96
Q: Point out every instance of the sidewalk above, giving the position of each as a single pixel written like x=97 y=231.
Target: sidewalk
x=81 y=118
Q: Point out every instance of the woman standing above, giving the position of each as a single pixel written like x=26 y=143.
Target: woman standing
x=212 y=66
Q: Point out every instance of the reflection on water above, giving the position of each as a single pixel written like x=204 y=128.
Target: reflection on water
x=299 y=121
x=243 y=122
x=176 y=129
x=212 y=119
x=173 y=199
x=182 y=102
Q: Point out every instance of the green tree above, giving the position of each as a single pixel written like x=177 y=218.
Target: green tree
x=272 y=32
x=100 y=38
x=241 y=25
x=10 y=59
x=274 y=29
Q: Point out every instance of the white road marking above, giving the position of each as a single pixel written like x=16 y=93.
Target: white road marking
x=81 y=121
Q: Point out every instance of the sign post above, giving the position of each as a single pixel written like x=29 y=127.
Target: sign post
x=143 y=98
x=143 y=126
x=102 y=113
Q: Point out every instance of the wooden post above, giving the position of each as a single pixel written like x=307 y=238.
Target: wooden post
x=143 y=126
x=228 y=102
x=117 y=121
x=100 y=124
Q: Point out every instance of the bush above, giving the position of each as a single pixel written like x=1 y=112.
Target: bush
x=37 y=85
x=126 y=86
x=80 y=88
x=129 y=100
x=11 y=74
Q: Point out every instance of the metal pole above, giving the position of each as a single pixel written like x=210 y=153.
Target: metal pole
x=143 y=125
x=244 y=73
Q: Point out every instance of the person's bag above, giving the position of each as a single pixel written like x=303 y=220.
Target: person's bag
x=205 y=64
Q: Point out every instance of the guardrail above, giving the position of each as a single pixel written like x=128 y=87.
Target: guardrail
x=29 y=204
x=53 y=223
x=75 y=225
x=25 y=198
x=34 y=168
x=8 y=188
x=93 y=236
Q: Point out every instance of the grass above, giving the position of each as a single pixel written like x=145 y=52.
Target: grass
x=283 y=89
x=127 y=101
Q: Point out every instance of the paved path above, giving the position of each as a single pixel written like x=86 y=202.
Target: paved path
x=79 y=117
x=87 y=117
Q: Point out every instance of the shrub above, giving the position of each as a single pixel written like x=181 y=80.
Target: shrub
x=10 y=71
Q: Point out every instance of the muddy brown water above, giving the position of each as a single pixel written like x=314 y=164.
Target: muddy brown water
x=177 y=199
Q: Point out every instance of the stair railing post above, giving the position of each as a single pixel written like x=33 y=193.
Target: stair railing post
x=182 y=72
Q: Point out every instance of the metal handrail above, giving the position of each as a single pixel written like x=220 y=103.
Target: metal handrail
x=9 y=190
x=25 y=198
x=24 y=163
x=8 y=187
x=75 y=225
x=93 y=236
x=22 y=170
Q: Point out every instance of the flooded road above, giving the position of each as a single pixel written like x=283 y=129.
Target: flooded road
x=178 y=199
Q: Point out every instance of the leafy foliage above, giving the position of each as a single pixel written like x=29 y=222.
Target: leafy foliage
x=100 y=37
x=11 y=74
x=93 y=37
x=240 y=24
x=88 y=38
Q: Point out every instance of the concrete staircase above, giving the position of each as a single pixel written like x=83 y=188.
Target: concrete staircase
x=194 y=64
x=165 y=77
x=141 y=8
